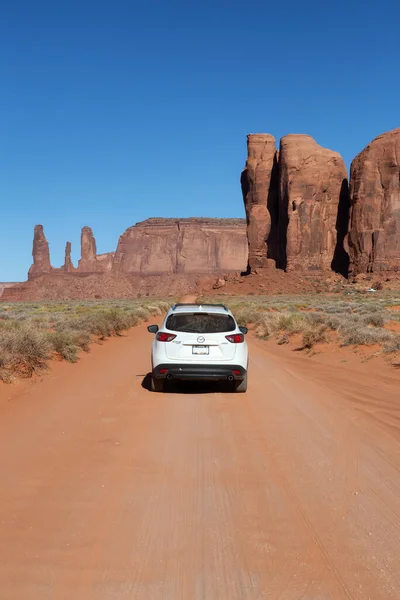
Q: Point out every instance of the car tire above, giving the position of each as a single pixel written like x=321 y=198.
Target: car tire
x=157 y=385
x=241 y=386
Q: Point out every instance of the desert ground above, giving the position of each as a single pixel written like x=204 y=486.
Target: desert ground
x=289 y=491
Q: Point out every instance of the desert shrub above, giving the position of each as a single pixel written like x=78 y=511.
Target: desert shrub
x=313 y=335
x=247 y=315
x=110 y=322
x=26 y=346
x=79 y=310
x=266 y=326
x=82 y=339
x=332 y=321
x=269 y=323
x=348 y=322
x=120 y=321
x=142 y=313
x=337 y=310
x=98 y=325
x=40 y=321
x=163 y=306
x=365 y=335
x=22 y=316
x=392 y=345
x=64 y=343
x=367 y=309
x=8 y=325
x=375 y=319
x=155 y=311
x=292 y=323
x=6 y=366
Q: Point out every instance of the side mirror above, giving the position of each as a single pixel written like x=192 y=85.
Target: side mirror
x=244 y=330
x=152 y=328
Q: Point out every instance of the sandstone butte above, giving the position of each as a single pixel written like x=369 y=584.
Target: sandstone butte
x=175 y=246
x=260 y=188
x=301 y=215
x=374 y=230
x=292 y=199
x=155 y=247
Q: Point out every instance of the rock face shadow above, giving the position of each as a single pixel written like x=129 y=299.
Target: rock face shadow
x=341 y=260
x=283 y=224
x=273 y=209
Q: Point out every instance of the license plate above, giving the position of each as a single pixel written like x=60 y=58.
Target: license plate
x=200 y=349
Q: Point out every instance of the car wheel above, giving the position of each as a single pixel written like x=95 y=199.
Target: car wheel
x=157 y=385
x=241 y=386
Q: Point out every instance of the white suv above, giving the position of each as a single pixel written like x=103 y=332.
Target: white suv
x=199 y=342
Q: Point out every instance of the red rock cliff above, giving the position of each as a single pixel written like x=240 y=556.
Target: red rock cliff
x=260 y=189
x=40 y=253
x=374 y=233
x=296 y=203
x=312 y=181
x=182 y=246
x=105 y=261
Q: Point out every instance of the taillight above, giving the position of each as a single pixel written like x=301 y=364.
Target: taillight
x=165 y=337
x=236 y=338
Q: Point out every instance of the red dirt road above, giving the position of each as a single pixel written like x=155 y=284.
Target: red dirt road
x=289 y=492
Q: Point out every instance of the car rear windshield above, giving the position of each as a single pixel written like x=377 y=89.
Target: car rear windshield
x=200 y=323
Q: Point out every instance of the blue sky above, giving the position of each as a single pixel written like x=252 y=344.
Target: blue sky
x=112 y=112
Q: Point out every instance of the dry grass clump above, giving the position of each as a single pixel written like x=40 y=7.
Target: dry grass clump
x=315 y=334
x=365 y=335
x=111 y=322
x=392 y=345
x=68 y=343
x=270 y=323
x=247 y=315
x=287 y=324
x=23 y=348
x=376 y=319
x=265 y=327
x=31 y=333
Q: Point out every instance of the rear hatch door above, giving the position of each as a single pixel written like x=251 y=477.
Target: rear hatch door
x=200 y=337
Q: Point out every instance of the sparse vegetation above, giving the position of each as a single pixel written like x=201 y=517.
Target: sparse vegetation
x=392 y=345
x=31 y=333
x=314 y=335
x=363 y=335
x=351 y=320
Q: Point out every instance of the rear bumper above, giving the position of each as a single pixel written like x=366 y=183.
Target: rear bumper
x=199 y=372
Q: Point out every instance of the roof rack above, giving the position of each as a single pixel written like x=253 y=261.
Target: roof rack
x=199 y=304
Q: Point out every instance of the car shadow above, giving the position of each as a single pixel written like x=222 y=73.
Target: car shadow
x=146 y=382
x=190 y=387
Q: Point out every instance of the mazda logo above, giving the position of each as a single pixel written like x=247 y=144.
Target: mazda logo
x=201 y=339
